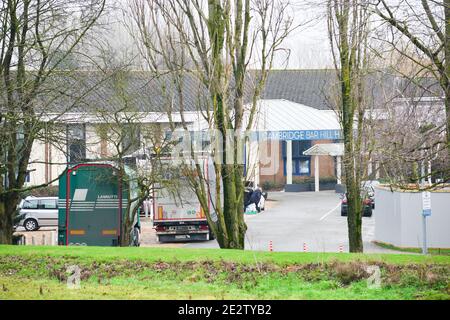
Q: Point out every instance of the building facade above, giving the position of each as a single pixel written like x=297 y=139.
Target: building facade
x=294 y=114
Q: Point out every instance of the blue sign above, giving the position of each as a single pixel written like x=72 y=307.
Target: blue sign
x=296 y=135
x=426 y=212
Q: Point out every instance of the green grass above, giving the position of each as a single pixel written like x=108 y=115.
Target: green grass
x=432 y=251
x=38 y=272
x=185 y=254
x=268 y=289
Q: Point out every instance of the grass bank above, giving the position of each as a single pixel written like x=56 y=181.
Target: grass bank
x=432 y=251
x=39 y=272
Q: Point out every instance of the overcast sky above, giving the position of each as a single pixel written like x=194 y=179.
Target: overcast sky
x=308 y=44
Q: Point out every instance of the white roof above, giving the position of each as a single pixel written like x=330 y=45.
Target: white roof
x=277 y=115
x=134 y=117
x=284 y=115
x=326 y=149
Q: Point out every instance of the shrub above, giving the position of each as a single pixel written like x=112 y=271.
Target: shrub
x=328 y=180
x=271 y=185
x=48 y=191
x=347 y=273
x=299 y=180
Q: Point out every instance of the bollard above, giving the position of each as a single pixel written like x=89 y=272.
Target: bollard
x=33 y=242
x=53 y=238
x=270 y=246
x=305 y=247
x=341 y=249
x=43 y=239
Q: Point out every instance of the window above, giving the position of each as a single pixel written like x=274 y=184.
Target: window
x=300 y=167
x=30 y=204
x=301 y=164
x=298 y=147
x=304 y=167
x=48 y=204
x=131 y=140
x=76 y=143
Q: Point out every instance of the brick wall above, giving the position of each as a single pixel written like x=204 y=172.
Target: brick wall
x=326 y=163
x=275 y=173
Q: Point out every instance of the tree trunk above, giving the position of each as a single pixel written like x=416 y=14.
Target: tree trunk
x=7 y=212
x=353 y=194
x=127 y=225
x=354 y=215
x=242 y=226
x=348 y=76
x=446 y=79
x=233 y=209
x=5 y=226
x=125 y=240
x=125 y=228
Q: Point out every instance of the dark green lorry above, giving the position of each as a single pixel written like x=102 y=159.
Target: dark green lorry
x=93 y=205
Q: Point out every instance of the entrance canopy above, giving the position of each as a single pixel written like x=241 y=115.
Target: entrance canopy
x=326 y=149
x=289 y=121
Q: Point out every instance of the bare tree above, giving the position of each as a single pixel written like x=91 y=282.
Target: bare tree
x=420 y=31
x=36 y=38
x=348 y=33
x=135 y=146
x=215 y=42
x=416 y=150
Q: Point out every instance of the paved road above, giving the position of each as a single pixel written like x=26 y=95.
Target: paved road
x=293 y=219
x=290 y=220
x=44 y=236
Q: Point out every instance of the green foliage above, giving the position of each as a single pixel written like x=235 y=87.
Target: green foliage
x=271 y=185
x=328 y=180
x=312 y=180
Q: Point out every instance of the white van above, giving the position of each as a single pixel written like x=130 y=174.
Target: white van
x=38 y=212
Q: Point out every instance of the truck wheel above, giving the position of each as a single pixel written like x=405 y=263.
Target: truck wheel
x=136 y=237
x=30 y=225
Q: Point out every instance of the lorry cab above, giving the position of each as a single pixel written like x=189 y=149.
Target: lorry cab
x=179 y=216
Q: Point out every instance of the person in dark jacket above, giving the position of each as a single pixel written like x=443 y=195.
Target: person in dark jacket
x=252 y=196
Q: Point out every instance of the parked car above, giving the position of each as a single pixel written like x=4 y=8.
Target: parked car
x=368 y=196
x=368 y=207
x=36 y=212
